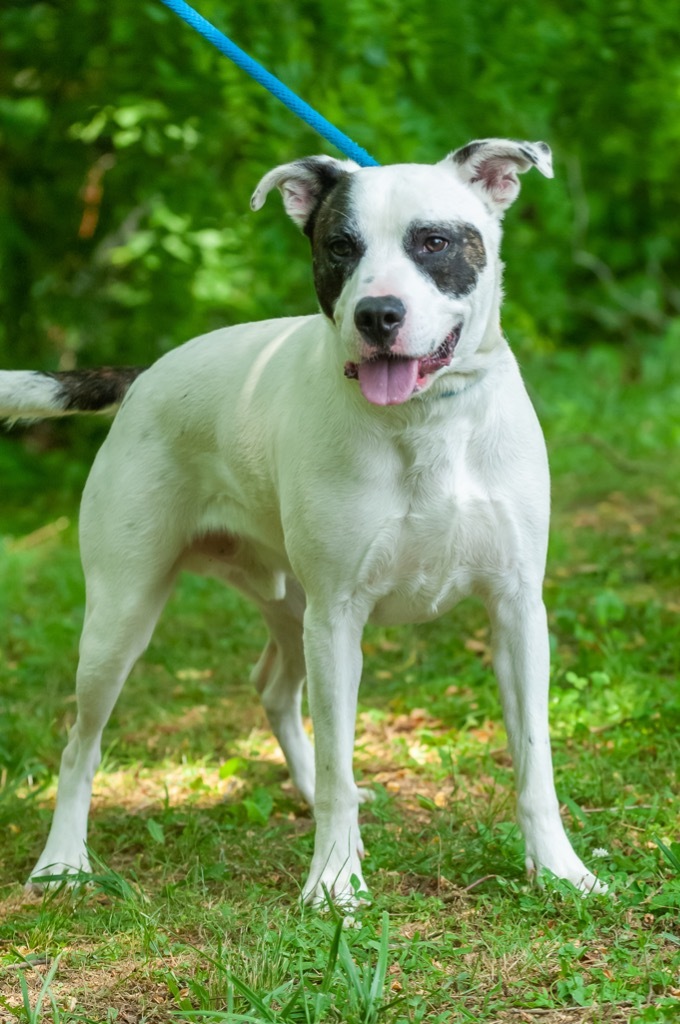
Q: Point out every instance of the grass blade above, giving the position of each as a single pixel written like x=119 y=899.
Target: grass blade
x=670 y=854
x=332 y=958
x=380 y=973
x=33 y=1012
x=252 y=998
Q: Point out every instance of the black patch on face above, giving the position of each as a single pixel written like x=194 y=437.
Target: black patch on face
x=455 y=268
x=93 y=390
x=337 y=245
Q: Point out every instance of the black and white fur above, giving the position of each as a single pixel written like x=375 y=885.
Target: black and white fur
x=378 y=462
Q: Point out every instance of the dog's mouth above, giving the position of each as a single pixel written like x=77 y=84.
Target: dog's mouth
x=392 y=380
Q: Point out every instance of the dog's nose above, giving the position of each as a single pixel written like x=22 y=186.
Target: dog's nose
x=378 y=319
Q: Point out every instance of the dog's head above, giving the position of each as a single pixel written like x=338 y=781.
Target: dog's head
x=406 y=256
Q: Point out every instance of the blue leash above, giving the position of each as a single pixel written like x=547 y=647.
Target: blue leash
x=270 y=82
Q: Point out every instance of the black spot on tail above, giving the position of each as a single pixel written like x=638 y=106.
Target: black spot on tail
x=95 y=390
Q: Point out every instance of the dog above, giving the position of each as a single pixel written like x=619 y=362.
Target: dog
x=376 y=462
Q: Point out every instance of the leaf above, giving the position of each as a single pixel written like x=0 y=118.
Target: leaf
x=259 y=806
x=156 y=831
x=672 y=853
x=426 y=802
x=230 y=767
x=576 y=811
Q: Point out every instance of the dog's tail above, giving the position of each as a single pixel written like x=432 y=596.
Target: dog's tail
x=33 y=395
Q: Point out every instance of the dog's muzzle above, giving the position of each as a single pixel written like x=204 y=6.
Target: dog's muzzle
x=391 y=380
x=378 y=319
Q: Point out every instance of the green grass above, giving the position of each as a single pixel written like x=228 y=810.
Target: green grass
x=201 y=844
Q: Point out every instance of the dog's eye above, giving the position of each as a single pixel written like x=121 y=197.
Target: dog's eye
x=435 y=243
x=341 y=247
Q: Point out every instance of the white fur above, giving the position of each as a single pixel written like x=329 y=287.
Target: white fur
x=247 y=455
x=28 y=395
x=411 y=191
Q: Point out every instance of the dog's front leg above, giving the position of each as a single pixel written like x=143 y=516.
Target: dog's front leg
x=334 y=660
x=522 y=664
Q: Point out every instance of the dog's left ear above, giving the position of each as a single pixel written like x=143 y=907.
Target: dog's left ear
x=302 y=183
x=490 y=167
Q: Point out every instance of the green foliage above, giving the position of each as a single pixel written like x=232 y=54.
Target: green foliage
x=343 y=991
x=130 y=149
x=33 y=1013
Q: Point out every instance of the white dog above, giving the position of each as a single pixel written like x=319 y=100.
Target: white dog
x=376 y=463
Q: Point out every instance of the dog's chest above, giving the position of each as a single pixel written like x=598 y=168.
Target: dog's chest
x=452 y=532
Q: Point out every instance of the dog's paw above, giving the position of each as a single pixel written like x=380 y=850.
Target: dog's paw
x=344 y=892
x=570 y=869
x=53 y=872
x=365 y=796
x=591 y=884
x=337 y=879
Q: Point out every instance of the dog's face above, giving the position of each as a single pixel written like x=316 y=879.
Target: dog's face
x=406 y=257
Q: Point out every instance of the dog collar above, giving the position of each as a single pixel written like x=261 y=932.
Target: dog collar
x=454 y=394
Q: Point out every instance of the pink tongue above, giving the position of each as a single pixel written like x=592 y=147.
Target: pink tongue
x=388 y=381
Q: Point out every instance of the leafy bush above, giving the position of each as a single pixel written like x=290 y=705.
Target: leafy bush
x=131 y=148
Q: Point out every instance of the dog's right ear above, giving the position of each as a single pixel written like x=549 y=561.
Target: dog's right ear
x=302 y=184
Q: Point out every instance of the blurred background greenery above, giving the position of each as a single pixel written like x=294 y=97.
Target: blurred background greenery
x=129 y=150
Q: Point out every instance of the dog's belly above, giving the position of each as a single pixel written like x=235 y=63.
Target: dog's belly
x=256 y=572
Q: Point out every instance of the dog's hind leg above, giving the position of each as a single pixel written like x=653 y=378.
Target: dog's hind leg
x=279 y=677
x=118 y=626
x=521 y=662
